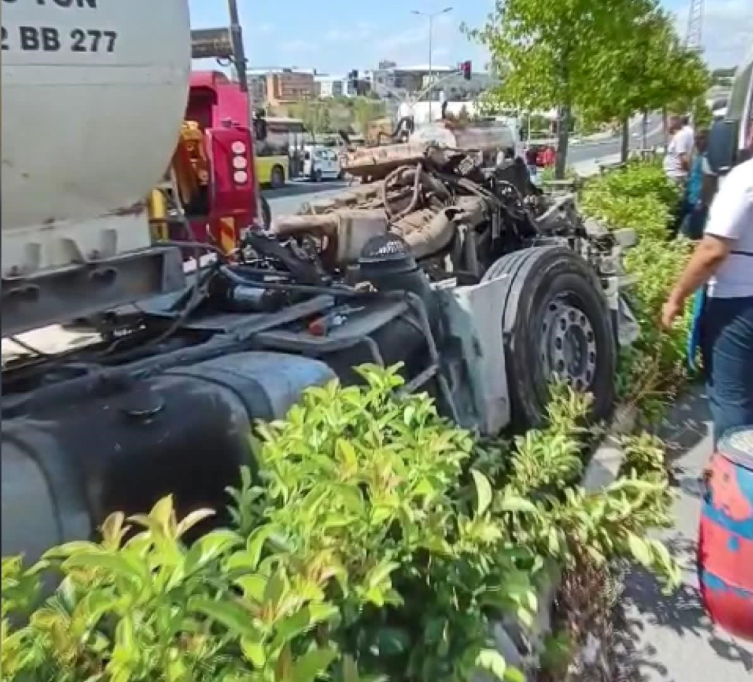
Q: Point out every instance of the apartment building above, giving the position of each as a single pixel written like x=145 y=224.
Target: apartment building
x=273 y=87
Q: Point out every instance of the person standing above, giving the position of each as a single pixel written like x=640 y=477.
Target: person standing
x=723 y=265
x=687 y=128
x=677 y=165
x=532 y=163
x=677 y=158
x=700 y=189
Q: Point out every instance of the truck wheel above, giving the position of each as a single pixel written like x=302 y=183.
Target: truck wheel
x=317 y=175
x=266 y=213
x=556 y=323
x=277 y=178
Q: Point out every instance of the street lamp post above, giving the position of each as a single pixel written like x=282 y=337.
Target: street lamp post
x=431 y=16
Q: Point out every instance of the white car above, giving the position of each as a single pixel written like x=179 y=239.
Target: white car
x=321 y=163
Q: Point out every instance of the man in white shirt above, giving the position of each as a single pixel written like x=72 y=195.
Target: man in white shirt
x=724 y=262
x=688 y=129
x=677 y=159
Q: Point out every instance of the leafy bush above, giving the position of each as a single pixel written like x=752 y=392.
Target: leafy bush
x=639 y=197
x=642 y=198
x=564 y=522
x=150 y=608
x=645 y=455
x=378 y=544
x=363 y=486
x=547 y=174
x=637 y=180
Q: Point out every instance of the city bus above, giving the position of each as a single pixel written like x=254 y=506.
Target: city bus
x=279 y=155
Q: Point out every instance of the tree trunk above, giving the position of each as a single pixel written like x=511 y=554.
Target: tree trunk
x=644 y=144
x=563 y=140
x=625 y=150
x=665 y=125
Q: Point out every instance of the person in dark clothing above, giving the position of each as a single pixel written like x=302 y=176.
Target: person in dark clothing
x=532 y=158
x=699 y=190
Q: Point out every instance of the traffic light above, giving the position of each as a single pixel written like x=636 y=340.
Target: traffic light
x=466 y=68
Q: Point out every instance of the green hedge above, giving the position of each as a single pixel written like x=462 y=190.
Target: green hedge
x=642 y=198
x=380 y=543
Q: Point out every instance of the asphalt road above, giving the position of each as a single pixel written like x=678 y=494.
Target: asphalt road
x=586 y=151
x=290 y=198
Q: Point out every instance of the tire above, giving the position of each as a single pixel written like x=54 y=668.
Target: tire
x=266 y=213
x=277 y=178
x=317 y=175
x=555 y=320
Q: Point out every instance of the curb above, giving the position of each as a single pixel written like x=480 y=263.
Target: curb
x=605 y=465
x=522 y=646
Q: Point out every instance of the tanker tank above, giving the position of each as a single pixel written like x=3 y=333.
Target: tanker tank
x=94 y=93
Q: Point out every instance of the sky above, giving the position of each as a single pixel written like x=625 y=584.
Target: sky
x=335 y=36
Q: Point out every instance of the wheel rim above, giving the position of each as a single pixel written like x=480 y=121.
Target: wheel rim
x=568 y=345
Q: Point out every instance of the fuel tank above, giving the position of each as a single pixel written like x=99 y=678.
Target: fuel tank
x=93 y=97
x=68 y=464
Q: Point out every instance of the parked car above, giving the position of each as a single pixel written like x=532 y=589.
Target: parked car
x=321 y=163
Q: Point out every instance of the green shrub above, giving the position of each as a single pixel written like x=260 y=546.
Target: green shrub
x=150 y=608
x=561 y=520
x=642 y=198
x=547 y=174
x=645 y=455
x=379 y=543
x=637 y=180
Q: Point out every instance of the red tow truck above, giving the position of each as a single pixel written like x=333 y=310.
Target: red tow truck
x=211 y=193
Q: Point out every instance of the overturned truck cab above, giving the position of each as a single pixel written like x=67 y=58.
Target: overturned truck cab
x=483 y=288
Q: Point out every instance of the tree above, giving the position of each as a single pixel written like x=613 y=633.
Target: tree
x=648 y=69
x=365 y=111
x=314 y=114
x=548 y=50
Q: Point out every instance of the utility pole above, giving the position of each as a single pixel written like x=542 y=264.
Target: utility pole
x=694 y=36
x=431 y=16
x=239 y=53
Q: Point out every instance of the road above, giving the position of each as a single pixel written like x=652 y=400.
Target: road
x=290 y=198
x=594 y=150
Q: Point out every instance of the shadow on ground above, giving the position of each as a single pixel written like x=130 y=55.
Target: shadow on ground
x=642 y=658
x=670 y=637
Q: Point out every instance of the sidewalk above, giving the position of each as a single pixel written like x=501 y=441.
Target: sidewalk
x=670 y=639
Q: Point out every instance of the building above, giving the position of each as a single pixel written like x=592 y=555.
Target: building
x=455 y=88
x=273 y=87
x=398 y=81
x=334 y=86
x=257 y=89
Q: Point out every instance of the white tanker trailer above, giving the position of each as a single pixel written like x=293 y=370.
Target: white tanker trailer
x=93 y=97
x=482 y=287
